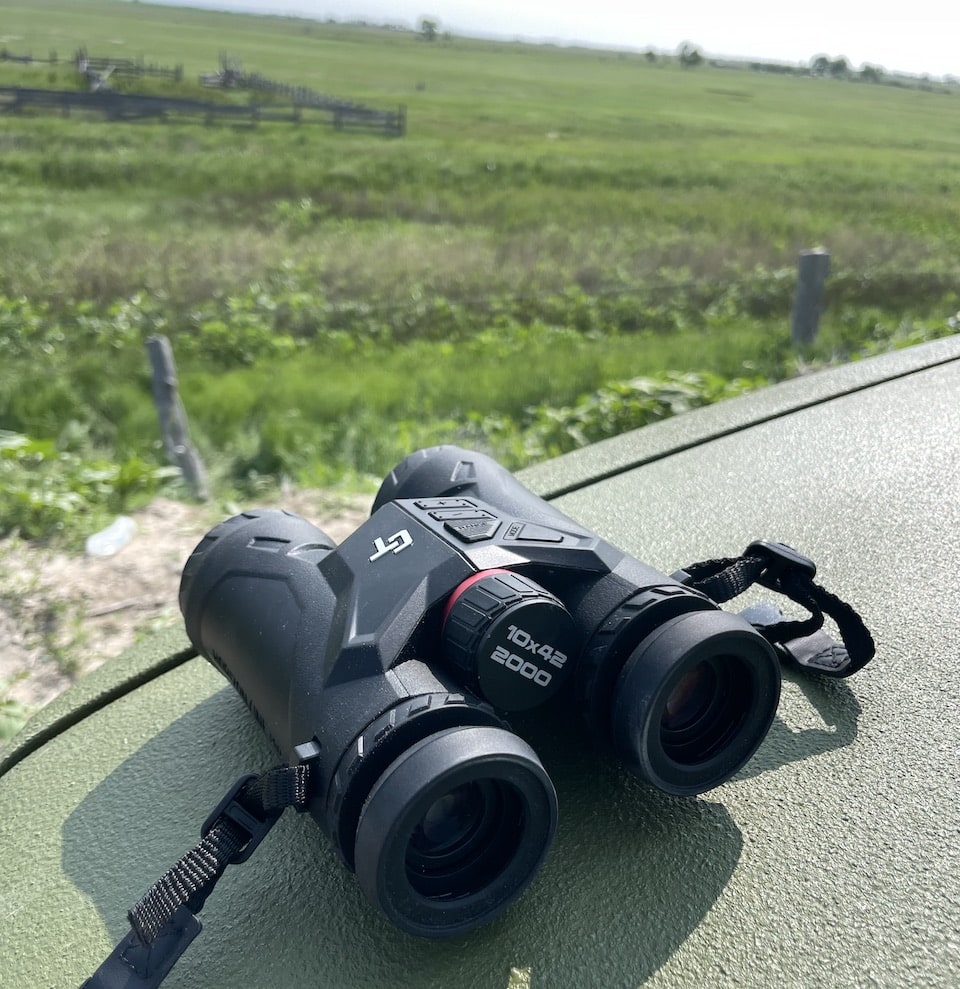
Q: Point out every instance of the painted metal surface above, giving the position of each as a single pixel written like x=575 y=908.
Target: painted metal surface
x=831 y=860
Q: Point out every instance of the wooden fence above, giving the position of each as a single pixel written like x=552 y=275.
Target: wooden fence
x=28 y=59
x=123 y=106
x=346 y=115
x=83 y=61
x=297 y=104
x=124 y=66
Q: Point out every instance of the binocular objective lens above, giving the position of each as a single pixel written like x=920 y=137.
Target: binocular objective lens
x=706 y=709
x=690 y=698
x=465 y=840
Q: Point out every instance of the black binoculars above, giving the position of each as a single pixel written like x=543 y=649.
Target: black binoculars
x=388 y=663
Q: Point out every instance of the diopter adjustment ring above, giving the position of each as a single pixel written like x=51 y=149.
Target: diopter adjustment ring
x=617 y=636
x=398 y=728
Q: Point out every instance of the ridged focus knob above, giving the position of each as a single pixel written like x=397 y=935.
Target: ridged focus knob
x=511 y=639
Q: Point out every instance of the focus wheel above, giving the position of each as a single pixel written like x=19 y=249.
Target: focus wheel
x=511 y=639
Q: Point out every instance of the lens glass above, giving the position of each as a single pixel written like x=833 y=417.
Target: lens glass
x=706 y=709
x=690 y=698
x=465 y=838
x=450 y=820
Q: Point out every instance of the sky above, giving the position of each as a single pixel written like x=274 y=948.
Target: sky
x=919 y=37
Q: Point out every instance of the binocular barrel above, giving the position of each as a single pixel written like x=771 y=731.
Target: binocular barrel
x=388 y=660
x=685 y=692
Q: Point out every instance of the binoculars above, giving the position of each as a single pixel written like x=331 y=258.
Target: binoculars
x=389 y=662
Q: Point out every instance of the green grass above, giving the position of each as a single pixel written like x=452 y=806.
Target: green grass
x=555 y=221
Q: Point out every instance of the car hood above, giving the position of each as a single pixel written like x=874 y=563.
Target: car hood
x=831 y=859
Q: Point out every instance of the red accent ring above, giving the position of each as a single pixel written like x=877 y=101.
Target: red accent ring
x=469 y=582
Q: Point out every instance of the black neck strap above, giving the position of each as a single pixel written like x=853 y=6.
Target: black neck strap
x=801 y=644
x=164 y=922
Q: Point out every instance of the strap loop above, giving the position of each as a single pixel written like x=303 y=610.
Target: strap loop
x=800 y=643
x=781 y=560
x=254 y=826
x=163 y=922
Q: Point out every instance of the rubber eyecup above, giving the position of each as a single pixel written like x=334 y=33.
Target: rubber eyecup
x=455 y=830
x=694 y=701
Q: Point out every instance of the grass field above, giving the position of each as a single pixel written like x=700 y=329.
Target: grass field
x=555 y=223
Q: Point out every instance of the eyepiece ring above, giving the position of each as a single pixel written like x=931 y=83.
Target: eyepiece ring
x=455 y=830
x=694 y=701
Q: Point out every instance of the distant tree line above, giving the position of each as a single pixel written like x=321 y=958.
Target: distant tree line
x=820 y=66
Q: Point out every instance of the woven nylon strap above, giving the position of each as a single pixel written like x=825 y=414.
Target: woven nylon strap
x=164 y=921
x=801 y=642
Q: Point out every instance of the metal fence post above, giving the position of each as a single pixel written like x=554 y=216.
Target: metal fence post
x=812 y=269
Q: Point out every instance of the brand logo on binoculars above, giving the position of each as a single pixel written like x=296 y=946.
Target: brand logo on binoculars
x=396 y=543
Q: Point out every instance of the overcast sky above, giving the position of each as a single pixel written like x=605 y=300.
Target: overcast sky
x=919 y=36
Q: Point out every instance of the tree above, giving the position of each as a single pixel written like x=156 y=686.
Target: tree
x=823 y=65
x=689 y=55
x=428 y=29
x=840 y=68
x=820 y=65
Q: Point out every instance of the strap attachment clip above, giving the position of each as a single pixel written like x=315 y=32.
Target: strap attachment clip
x=233 y=809
x=780 y=559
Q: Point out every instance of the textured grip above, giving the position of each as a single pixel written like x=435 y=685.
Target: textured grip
x=256 y=605
x=510 y=639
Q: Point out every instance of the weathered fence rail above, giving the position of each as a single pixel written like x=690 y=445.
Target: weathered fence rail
x=124 y=66
x=346 y=114
x=125 y=106
x=393 y=123
x=99 y=63
x=28 y=59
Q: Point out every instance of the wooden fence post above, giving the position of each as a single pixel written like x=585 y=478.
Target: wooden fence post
x=812 y=269
x=173 y=417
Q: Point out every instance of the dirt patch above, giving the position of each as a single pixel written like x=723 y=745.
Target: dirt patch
x=62 y=615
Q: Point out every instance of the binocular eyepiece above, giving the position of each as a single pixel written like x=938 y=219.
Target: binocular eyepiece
x=389 y=662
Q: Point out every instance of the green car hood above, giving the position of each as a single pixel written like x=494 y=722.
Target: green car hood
x=832 y=859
